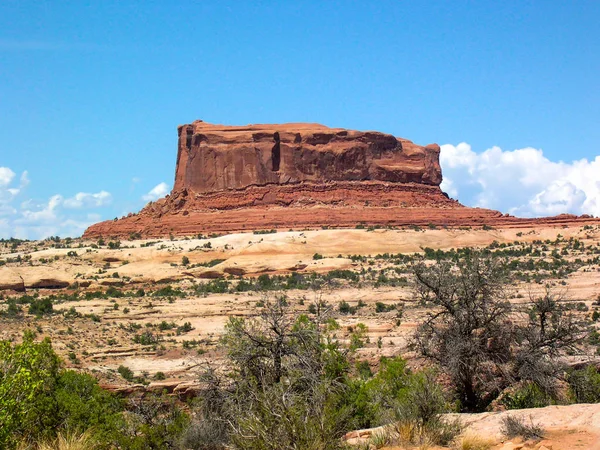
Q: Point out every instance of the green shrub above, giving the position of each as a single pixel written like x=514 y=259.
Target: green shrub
x=345 y=308
x=113 y=245
x=585 y=385
x=185 y=328
x=213 y=287
x=527 y=396
x=39 y=307
x=168 y=291
x=211 y=263
x=12 y=310
x=125 y=372
x=382 y=307
x=164 y=325
x=146 y=338
x=39 y=400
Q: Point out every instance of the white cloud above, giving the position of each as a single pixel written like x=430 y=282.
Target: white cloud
x=85 y=200
x=32 y=214
x=6 y=176
x=36 y=220
x=158 y=191
x=522 y=182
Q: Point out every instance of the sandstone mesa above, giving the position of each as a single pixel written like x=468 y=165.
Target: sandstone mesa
x=299 y=175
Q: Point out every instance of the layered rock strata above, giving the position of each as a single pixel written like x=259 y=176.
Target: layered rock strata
x=236 y=178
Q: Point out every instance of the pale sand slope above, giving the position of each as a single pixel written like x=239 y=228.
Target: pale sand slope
x=250 y=254
x=566 y=427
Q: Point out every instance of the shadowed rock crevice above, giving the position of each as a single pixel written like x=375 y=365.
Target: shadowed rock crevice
x=189 y=133
x=276 y=153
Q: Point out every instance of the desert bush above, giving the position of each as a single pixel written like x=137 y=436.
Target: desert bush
x=513 y=426
x=213 y=287
x=168 y=291
x=382 y=307
x=42 y=306
x=153 y=422
x=264 y=231
x=380 y=439
x=345 y=308
x=113 y=245
x=529 y=395
x=291 y=385
x=584 y=385
x=146 y=338
x=472 y=336
x=125 y=372
x=420 y=410
x=12 y=309
x=204 y=434
x=185 y=328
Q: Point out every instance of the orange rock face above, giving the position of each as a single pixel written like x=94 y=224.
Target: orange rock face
x=236 y=178
x=213 y=158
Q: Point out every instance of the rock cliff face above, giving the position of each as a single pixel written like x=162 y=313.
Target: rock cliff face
x=235 y=178
x=214 y=158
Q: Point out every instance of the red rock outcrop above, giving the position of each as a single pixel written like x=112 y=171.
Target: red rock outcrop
x=235 y=178
x=213 y=158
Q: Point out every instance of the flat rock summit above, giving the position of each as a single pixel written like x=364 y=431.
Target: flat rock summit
x=300 y=175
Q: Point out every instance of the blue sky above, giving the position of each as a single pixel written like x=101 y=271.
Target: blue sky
x=91 y=94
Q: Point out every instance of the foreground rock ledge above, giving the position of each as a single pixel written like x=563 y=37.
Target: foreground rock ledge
x=236 y=178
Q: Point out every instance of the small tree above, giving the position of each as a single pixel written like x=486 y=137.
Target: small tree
x=468 y=334
x=268 y=347
x=480 y=340
x=284 y=389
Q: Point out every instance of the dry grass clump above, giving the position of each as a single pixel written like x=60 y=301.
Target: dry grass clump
x=82 y=441
x=435 y=432
x=382 y=438
x=470 y=441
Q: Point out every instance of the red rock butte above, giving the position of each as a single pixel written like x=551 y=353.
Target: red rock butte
x=299 y=175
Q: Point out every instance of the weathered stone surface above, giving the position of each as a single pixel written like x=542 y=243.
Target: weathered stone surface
x=11 y=280
x=22 y=278
x=237 y=178
x=214 y=158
